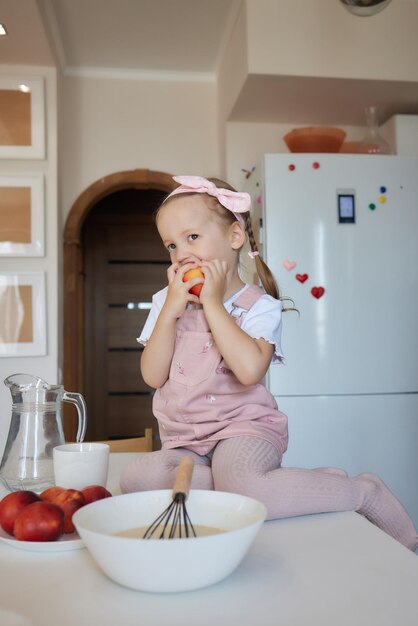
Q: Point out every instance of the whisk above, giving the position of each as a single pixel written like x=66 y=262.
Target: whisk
x=175 y=521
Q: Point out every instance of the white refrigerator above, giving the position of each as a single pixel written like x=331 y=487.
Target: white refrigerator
x=340 y=234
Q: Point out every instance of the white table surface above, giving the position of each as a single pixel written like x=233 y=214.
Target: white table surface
x=332 y=569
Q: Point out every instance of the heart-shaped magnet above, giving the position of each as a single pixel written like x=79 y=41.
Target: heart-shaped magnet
x=302 y=277
x=317 y=292
x=289 y=265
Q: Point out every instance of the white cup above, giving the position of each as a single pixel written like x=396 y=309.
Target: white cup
x=78 y=465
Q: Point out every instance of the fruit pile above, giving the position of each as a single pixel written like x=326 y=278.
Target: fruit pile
x=29 y=517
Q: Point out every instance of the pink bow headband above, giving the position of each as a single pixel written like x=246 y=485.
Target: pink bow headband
x=235 y=201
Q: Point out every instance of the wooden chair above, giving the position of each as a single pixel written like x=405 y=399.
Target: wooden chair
x=135 y=444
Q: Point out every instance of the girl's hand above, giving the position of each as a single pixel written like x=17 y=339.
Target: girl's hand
x=215 y=285
x=178 y=295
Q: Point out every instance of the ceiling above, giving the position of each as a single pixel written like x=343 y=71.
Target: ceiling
x=154 y=36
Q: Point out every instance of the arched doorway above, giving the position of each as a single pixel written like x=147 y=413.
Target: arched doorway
x=74 y=270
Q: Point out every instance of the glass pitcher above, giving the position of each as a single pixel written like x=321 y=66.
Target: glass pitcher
x=373 y=142
x=35 y=429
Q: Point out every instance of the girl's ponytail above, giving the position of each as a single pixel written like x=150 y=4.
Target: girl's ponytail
x=266 y=277
x=264 y=273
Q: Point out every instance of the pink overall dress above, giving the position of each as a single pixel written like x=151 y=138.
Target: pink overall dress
x=202 y=402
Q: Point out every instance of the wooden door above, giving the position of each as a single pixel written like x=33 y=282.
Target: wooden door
x=125 y=264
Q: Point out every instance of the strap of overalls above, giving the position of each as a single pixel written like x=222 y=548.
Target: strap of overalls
x=245 y=301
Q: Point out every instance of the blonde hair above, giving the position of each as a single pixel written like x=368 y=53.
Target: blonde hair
x=264 y=273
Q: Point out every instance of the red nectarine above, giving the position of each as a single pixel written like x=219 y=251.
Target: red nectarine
x=69 y=500
x=195 y=272
x=49 y=494
x=95 y=492
x=11 y=505
x=40 y=521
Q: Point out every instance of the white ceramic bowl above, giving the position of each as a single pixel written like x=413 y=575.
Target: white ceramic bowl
x=171 y=564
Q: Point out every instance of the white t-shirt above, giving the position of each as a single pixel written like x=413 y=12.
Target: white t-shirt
x=263 y=320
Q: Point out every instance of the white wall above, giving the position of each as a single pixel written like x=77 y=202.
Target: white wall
x=401 y=132
x=233 y=72
x=289 y=58
x=44 y=366
x=111 y=125
x=320 y=38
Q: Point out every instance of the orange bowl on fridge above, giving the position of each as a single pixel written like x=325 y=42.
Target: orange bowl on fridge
x=351 y=147
x=315 y=139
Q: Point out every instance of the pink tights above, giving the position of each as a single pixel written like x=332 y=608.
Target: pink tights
x=251 y=466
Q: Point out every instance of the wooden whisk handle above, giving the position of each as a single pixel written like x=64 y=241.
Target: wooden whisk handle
x=183 y=476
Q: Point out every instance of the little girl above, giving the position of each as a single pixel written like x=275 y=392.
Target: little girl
x=206 y=357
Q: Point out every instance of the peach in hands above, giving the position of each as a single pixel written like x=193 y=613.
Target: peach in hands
x=194 y=272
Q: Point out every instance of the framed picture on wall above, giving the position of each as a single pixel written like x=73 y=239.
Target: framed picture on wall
x=22 y=314
x=22 y=117
x=22 y=215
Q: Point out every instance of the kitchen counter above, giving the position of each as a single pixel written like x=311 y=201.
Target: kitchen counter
x=331 y=569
